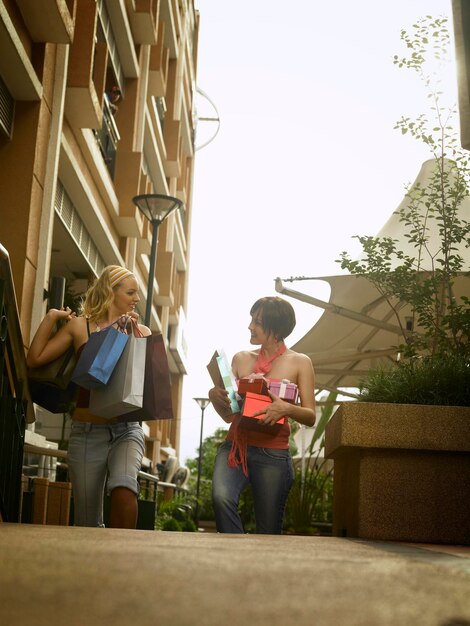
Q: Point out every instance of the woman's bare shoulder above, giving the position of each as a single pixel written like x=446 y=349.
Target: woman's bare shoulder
x=300 y=355
x=145 y=330
x=244 y=355
x=242 y=362
x=300 y=358
x=76 y=324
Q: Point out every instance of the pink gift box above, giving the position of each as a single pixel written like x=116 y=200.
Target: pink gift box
x=285 y=390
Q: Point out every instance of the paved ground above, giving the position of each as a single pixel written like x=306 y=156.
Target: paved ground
x=55 y=575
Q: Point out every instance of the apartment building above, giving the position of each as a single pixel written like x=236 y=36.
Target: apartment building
x=96 y=107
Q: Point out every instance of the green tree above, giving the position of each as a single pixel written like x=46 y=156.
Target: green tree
x=209 y=451
x=425 y=278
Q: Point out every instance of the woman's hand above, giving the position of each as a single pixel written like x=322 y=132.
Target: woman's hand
x=130 y=316
x=133 y=314
x=133 y=318
x=220 y=401
x=65 y=314
x=274 y=411
x=219 y=397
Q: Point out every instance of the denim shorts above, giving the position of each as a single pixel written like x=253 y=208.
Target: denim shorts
x=102 y=455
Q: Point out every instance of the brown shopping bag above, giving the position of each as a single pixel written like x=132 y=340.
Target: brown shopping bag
x=50 y=385
x=157 y=403
x=124 y=391
x=57 y=373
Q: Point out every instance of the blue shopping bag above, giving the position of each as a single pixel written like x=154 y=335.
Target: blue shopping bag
x=125 y=389
x=99 y=356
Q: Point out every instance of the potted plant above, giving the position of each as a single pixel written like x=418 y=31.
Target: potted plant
x=402 y=463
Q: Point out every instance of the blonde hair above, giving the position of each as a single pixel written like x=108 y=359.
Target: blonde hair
x=100 y=295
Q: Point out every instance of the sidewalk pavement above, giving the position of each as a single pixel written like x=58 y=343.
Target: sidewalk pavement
x=57 y=575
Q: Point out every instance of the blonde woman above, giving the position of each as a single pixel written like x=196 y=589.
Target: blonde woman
x=102 y=452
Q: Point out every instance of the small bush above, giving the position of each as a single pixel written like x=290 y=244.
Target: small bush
x=188 y=526
x=421 y=380
x=171 y=524
x=175 y=514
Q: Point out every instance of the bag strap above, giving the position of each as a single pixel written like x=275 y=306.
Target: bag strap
x=120 y=326
x=135 y=328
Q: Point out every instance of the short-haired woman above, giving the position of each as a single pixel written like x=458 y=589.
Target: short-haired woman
x=252 y=457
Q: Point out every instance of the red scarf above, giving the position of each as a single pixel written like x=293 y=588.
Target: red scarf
x=237 y=455
x=264 y=363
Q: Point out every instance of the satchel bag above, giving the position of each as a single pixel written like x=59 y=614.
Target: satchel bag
x=57 y=373
x=157 y=402
x=50 y=385
x=100 y=355
x=124 y=391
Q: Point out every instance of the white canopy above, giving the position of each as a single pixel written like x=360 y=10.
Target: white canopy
x=358 y=329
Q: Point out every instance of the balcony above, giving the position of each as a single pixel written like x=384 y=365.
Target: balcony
x=49 y=20
x=143 y=18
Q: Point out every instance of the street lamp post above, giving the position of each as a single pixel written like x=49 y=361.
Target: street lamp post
x=203 y=404
x=156 y=208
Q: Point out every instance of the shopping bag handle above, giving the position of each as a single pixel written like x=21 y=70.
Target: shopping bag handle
x=135 y=328
x=121 y=325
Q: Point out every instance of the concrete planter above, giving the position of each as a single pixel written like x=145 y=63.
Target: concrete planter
x=402 y=472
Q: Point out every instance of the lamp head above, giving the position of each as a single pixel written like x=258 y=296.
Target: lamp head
x=156 y=207
x=202 y=402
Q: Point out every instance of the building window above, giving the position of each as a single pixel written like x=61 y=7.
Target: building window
x=7 y=110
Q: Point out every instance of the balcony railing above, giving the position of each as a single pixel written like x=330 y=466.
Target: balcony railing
x=108 y=137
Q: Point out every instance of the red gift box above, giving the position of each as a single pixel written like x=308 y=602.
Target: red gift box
x=253 y=385
x=285 y=390
x=255 y=402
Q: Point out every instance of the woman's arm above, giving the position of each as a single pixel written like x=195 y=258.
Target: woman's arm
x=43 y=348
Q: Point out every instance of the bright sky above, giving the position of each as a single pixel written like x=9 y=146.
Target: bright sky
x=306 y=157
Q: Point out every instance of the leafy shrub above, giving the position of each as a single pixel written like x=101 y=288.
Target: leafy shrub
x=175 y=514
x=443 y=380
x=170 y=523
x=310 y=499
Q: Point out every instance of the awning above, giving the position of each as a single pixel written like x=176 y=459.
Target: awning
x=358 y=329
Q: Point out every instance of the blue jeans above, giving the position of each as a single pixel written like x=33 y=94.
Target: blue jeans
x=99 y=455
x=270 y=474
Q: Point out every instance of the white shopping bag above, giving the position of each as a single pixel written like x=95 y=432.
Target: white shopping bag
x=125 y=389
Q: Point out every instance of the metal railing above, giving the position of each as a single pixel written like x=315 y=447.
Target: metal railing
x=150 y=484
x=108 y=137
x=16 y=407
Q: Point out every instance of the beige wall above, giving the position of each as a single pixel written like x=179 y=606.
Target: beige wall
x=62 y=69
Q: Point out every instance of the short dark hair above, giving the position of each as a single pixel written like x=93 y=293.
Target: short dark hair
x=277 y=316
